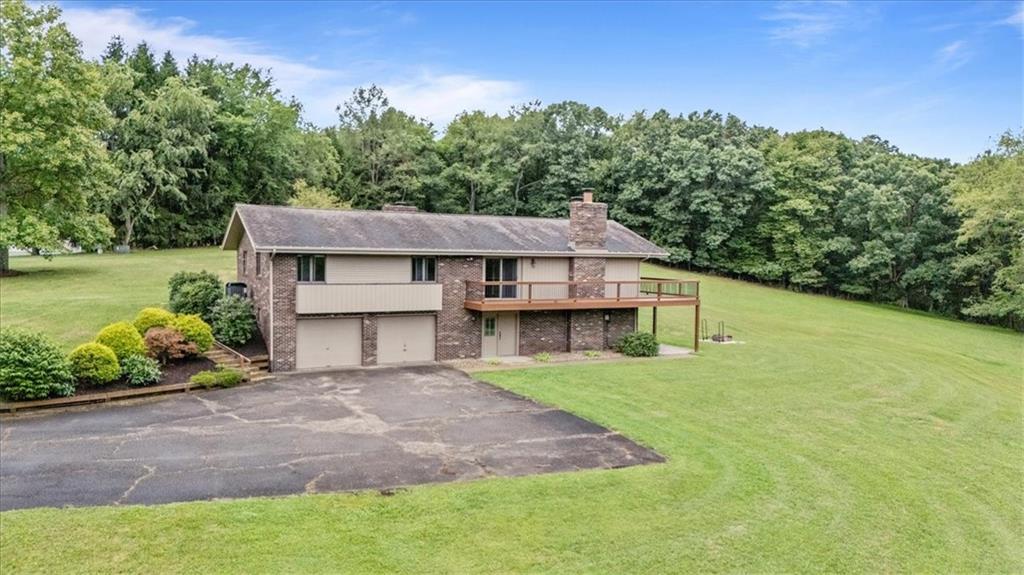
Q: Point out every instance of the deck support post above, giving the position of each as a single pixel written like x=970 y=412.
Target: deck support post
x=696 y=327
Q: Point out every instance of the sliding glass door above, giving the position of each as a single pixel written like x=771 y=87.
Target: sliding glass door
x=504 y=270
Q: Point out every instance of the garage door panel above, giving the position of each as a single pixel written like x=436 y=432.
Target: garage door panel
x=328 y=342
x=405 y=339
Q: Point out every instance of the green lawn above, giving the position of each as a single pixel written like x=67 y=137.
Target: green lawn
x=840 y=437
x=71 y=297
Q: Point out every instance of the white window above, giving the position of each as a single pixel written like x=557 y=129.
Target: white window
x=490 y=326
x=312 y=268
x=424 y=269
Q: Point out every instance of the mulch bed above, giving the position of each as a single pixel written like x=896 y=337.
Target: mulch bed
x=176 y=372
x=181 y=371
x=252 y=348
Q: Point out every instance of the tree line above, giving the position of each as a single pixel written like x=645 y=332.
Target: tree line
x=140 y=149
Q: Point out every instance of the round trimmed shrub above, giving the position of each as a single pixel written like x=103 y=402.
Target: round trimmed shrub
x=32 y=367
x=638 y=344
x=94 y=364
x=195 y=330
x=123 y=338
x=151 y=317
x=140 y=370
x=194 y=293
x=233 y=320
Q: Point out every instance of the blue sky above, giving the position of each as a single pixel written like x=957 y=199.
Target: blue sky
x=939 y=79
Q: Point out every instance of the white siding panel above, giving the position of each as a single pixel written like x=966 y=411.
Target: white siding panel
x=368 y=269
x=622 y=269
x=545 y=270
x=346 y=298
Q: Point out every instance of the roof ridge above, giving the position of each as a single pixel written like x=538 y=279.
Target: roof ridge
x=416 y=213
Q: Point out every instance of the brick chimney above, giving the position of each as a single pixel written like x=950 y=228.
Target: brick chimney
x=399 y=207
x=588 y=222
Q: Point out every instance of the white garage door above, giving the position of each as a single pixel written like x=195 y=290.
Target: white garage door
x=405 y=339
x=333 y=342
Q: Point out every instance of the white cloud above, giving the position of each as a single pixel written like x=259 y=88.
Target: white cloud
x=1017 y=17
x=804 y=24
x=953 y=55
x=437 y=97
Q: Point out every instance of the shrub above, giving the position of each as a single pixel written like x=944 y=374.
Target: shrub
x=542 y=357
x=140 y=370
x=233 y=320
x=195 y=330
x=221 y=377
x=591 y=354
x=94 y=364
x=167 y=343
x=152 y=317
x=194 y=293
x=123 y=338
x=32 y=367
x=638 y=344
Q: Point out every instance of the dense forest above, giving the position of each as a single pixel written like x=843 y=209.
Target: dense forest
x=140 y=149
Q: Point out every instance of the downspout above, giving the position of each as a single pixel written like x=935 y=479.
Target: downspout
x=270 y=344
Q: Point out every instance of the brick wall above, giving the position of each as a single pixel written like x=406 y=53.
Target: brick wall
x=586 y=329
x=284 y=278
x=458 y=329
x=621 y=322
x=543 y=331
x=259 y=286
x=588 y=270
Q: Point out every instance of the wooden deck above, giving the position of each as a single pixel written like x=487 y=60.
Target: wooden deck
x=569 y=295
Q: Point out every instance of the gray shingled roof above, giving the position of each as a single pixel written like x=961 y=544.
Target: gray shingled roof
x=286 y=229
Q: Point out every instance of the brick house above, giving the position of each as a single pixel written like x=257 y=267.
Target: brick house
x=336 y=288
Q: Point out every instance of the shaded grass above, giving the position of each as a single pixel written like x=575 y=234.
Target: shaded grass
x=71 y=297
x=840 y=437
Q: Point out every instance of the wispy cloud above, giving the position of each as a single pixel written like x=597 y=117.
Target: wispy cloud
x=1017 y=18
x=953 y=55
x=804 y=23
x=436 y=96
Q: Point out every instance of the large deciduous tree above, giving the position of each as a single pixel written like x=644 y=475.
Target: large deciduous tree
x=163 y=148
x=989 y=194
x=52 y=161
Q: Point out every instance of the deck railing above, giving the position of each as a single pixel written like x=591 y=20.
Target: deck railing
x=643 y=290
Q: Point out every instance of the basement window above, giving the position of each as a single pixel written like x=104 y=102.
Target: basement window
x=424 y=269
x=312 y=268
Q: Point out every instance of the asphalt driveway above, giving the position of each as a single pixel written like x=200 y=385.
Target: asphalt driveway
x=305 y=433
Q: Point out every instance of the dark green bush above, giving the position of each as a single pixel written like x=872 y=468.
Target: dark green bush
x=220 y=377
x=123 y=338
x=32 y=367
x=194 y=293
x=233 y=320
x=195 y=330
x=94 y=364
x=151 y=317
x=638 y=344
x=140 y=370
